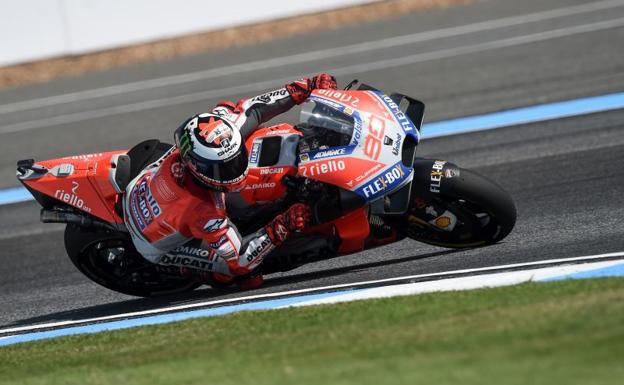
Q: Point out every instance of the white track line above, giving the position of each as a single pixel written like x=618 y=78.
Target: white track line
x=318 y=55
x=469 y=282
x=302 y=291
x=364 y=67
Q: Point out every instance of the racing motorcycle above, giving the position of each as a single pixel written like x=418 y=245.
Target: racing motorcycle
x=352 y=157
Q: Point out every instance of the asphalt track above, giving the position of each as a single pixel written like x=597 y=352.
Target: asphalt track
x=566 y=175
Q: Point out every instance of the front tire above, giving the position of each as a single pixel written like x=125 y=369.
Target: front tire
x=484 y=211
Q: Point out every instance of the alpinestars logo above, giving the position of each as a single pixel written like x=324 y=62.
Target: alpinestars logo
x=281 y=232
x=215 y=224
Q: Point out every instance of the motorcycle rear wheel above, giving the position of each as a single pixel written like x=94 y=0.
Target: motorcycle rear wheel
x=485 y=214
x=125 y=270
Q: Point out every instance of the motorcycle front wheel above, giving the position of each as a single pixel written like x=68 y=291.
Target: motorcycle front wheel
x=474 y=212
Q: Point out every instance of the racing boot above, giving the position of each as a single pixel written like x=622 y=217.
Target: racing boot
x=251 y=281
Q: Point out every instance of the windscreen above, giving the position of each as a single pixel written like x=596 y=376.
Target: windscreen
x=317 y=115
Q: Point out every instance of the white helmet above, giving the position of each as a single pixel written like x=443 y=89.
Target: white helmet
x=213 y=151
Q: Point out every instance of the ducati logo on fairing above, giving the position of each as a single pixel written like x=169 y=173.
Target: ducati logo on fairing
x=269 y=171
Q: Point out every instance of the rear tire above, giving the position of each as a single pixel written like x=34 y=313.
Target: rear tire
x=128 y=272
x=485 y=213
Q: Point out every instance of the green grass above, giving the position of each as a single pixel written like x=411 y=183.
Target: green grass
x=556 y=333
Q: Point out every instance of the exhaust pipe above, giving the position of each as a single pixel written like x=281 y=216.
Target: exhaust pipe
x=56 y=216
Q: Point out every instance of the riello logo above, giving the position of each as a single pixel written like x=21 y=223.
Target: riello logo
x=72 y=198
x=324 y=167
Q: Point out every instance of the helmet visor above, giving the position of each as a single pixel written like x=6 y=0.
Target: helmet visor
x=231 y=170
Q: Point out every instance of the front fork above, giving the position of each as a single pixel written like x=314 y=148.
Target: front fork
x=433 y=178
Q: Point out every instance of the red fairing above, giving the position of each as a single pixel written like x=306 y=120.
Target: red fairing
x=264 y=184
x=353 y=230
x=81 y=181
x=341 y=171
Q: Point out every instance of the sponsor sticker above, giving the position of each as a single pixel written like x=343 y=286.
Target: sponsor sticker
x=270 y=171
x=329 y=153
x=401 y=118
x=368 y=172
x=258 y=250
x=177 y=170
x=384 y=181
x=324 y=167
x=396 y=147
x=215 y=224
x=255 y=152
x=341 y=96
x=357 y=131
x=281 y=131
x=72 y=198
x=271 y=96
x=163 y=189
x=188 y=261
x=257 y=186
x=192 y=251
x=218 y=243
x=143 y=205
x=84 y=156
x=327 y=102
x=436 y=176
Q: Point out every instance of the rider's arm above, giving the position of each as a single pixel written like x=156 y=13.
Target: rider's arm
x=262 y=108
x=244 y=254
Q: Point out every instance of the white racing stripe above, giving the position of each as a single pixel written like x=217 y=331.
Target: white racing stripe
x=318 y=55
x=304 y=291
x=364 y=67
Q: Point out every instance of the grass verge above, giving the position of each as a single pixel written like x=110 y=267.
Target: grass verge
x=568 y=332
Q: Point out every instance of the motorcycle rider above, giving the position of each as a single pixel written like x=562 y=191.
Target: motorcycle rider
x=182 y=195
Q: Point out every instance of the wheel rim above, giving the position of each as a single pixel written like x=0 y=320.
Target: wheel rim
x=475 y=226
x=113 y=263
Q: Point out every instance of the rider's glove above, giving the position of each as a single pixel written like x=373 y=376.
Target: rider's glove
x=301 y=89
x=296 y=218
x=324 y=82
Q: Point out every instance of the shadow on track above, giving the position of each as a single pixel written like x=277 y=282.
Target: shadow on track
x=143 y=304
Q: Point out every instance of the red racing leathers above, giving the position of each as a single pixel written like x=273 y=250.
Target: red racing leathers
x=165 y=208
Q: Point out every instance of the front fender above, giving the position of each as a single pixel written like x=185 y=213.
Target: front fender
x=434 y=177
